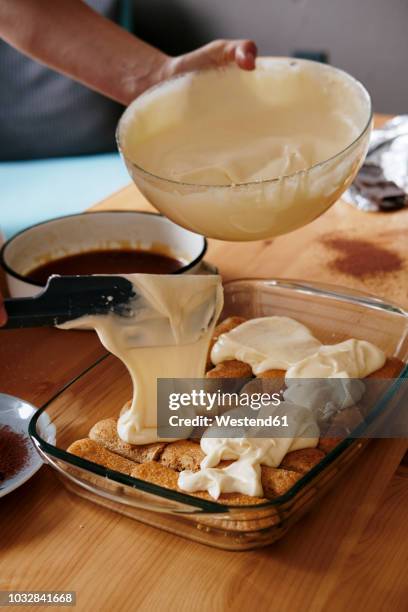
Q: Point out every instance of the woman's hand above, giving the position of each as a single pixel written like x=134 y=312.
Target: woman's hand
x=217 y=53
x=85 y=46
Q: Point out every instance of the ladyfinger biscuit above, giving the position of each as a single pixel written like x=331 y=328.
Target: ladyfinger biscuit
x=105 y=433
x=222 y=328
x=277 y=481
x=236 y=499
x=166 y=477
x=230 y=369
x=92 y=451
x=182 y=455
x=390 y=369
x=154 y=472
x=303 y=460
x=273 y=381
x=344 y=421
x=272 y=374
x=227 y=325
x=327 y=444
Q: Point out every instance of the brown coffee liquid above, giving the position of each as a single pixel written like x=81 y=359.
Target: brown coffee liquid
x=115 y=261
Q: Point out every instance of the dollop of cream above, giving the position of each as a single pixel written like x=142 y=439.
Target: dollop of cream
x=248 y=454
x=282 y=343
x=266 y=343
x=350 y=359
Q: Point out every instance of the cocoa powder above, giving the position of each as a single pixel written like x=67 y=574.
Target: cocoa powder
x=360 y=258
x=13 y=452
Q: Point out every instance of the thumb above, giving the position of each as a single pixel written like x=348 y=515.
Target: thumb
x=242 y=52
x=245 y=53
x=218 y=53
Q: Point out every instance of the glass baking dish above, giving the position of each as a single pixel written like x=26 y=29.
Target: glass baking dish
x=332 y=313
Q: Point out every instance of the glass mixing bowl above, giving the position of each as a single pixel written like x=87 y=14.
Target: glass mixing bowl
x=262 y=208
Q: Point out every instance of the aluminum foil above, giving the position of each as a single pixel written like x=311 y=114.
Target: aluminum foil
x=388 y=150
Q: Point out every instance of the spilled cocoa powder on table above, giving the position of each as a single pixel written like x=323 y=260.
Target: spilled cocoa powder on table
x=361 y=258
x=14 y=452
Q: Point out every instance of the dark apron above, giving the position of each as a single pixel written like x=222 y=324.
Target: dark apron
x=45 y=114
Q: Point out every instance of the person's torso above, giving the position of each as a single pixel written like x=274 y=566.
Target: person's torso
x=45 y=114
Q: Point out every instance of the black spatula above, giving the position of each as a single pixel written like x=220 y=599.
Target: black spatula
x=69 y=297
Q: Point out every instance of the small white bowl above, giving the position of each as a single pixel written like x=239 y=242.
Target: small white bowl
x=16 y=414
x=72 y=234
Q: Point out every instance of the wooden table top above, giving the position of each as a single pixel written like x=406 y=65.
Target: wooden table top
x=349 y=551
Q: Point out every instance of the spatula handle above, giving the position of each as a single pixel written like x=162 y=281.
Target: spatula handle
x=69 y=297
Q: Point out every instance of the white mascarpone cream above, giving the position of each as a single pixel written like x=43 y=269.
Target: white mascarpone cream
x=282 y=343
x=230 y=126
x=167 y=337
x=266 y=343
x=350 y=359
x=244 y=475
